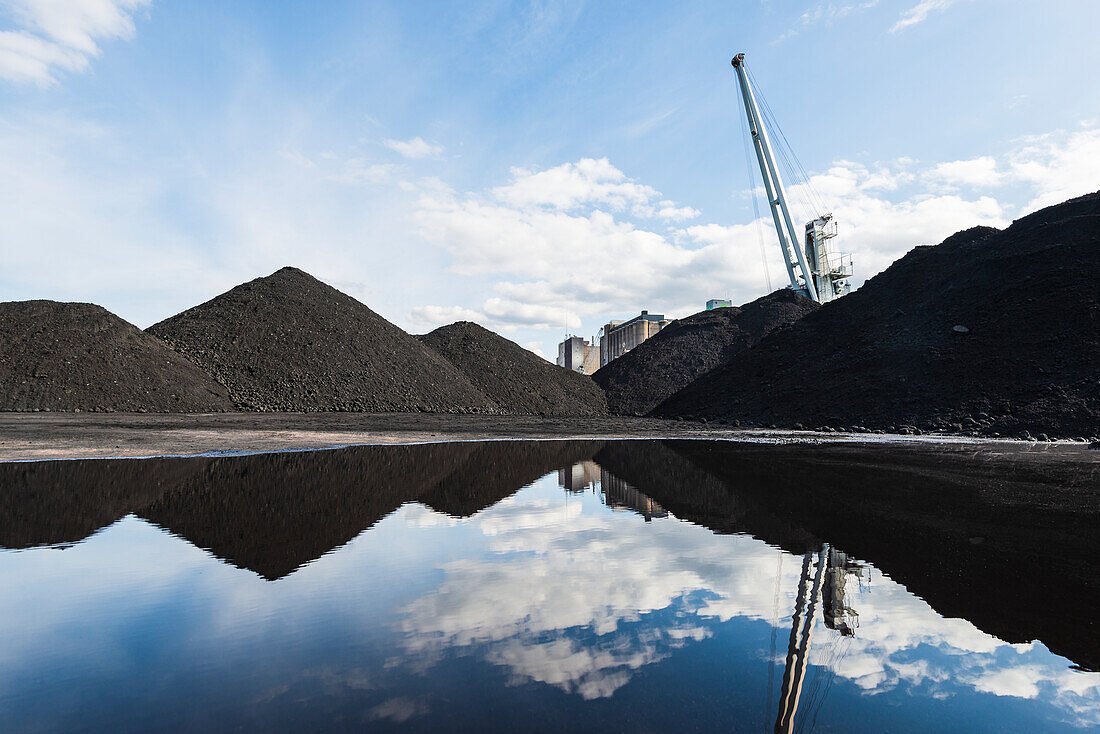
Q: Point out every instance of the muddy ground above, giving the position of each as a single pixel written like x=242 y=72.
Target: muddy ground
x=87 y=435
x=39 y=436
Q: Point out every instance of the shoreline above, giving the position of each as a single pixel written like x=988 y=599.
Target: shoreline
x=55 y=436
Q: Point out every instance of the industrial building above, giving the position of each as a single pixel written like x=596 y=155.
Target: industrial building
x=718 y=303
x=579 y=355
x=619 y=337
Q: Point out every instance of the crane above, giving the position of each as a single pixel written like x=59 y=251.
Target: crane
x=813 y=270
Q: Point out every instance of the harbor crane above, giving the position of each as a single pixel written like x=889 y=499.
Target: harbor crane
x=813 y=269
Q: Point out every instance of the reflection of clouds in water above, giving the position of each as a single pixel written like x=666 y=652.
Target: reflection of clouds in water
x=417 y=515
x=557 y=577
x=894 y=623
x=398 y=710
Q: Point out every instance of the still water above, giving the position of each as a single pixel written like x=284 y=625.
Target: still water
x=474 y=587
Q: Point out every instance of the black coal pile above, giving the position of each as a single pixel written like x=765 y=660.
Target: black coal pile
x=289 y=342
x=990 y=332
x=81 y=357
x=519 y=381
x=644 y=377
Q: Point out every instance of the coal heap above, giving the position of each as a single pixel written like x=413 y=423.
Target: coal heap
x=989 y=332
x=641 y=379
x=288 y=342
x=81 y=357
x=520 y=382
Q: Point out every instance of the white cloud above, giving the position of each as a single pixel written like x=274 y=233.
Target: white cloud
x=440 y=315
x=562 y=241
x=588 y=181
x=975 y=172
x=919 y=12
x=415 y=148
x=669 y=210
x=60 y=35
x=1058 y=166
x=573 y=242
x=501 y=314
x=536 y=348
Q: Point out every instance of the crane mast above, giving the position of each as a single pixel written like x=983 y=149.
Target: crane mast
x=810 y=266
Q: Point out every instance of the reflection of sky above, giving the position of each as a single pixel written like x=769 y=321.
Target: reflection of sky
x=544 y=602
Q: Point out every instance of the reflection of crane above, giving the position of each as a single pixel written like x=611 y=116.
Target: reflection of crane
x=828 y=584
x=813 y=269
x=799 y=646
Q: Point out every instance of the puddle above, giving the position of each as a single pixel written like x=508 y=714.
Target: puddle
x=536 y=586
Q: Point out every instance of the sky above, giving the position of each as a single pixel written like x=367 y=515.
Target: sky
x=538 y=167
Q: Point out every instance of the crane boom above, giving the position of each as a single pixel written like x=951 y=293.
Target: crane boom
x=809 y=268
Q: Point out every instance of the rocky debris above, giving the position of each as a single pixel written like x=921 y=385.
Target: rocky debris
x=890 y=355
x=641 y=379
x=289 y=342
x=519 y=381
x=81 y=357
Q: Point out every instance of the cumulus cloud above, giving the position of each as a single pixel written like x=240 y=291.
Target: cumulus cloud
x=975 y=172
x=582 y=240
x=588 y=181
x=1058 y=166
x=415 y=148
x=54 y=36
x=919 y=13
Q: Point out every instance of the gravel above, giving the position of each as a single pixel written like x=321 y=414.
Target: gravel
x=289 y=342
x=891 y=356
x=641 y=379
x=519 y=381
x=80 y=357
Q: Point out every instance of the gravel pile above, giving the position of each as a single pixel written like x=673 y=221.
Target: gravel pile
x=644 y=377
x=520 y=382
x=288 y=342
x=81 y=357
x=989 y=333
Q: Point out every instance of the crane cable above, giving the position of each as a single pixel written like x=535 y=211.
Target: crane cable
x=786 y=152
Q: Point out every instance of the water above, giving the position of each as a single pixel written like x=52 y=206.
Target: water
x=480 y=587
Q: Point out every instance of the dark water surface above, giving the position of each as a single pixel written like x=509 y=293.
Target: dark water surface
x=548 y=586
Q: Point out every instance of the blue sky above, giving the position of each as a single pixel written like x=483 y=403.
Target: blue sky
x=534 y=166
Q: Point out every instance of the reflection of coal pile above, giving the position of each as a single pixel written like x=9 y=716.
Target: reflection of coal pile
x=76 y=356
x=641 y=379
x=1005 y=543
x=270 y=513
x=518 y=381
x=273 y=512
x=289 y=342
x=51 y=502
x=492 y=470
x=691 y=493
x=618 y=495
x=989 y=331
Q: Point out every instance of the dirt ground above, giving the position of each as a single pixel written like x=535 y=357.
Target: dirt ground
x=41 y=436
